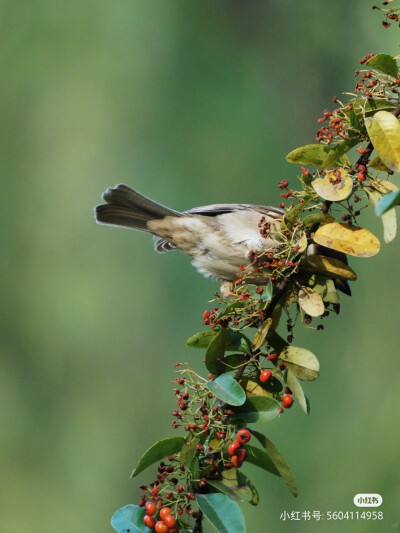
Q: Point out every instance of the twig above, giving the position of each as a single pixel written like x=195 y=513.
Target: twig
x=198 y=526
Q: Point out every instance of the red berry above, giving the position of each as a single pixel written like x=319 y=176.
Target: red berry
x=150 y=508
x=241 y=454
x=361 y=176
x=265 y=375
x=150 y=521
x=287 y=401
x=233 y=447
x=169 y=520
x=243 y=436
x=237 y=463
x=164 y=512
x=161 y=527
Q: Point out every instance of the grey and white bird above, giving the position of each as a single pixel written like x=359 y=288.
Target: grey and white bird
x=220 y=238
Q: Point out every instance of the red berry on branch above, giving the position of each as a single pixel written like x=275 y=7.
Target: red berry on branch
x=150 y=521
x=169 y=521
x=265 y=375
x=287 y=401
x=243 y=436
x=241 y=454
x=233 y=447
x=164 y=512
x=237 y=463
x=150 y=508
x=161 y=527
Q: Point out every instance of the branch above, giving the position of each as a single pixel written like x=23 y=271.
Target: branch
x=198 y=526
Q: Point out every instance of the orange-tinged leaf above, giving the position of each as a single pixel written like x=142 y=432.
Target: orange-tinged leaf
x=347 y=239
x=384 y=131
x=329 y=190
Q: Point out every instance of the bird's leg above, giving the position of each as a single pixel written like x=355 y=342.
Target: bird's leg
x=226 y=289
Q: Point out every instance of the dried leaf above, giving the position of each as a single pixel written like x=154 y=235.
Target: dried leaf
x=311 y=302
x=347 y=239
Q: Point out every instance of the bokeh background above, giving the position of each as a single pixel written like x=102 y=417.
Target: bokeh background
x=191 y=103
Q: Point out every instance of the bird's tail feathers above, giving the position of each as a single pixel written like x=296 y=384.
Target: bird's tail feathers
x=128 y=208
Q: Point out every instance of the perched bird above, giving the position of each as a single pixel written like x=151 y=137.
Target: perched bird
x=220 y=239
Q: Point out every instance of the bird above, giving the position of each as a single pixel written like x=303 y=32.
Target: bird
x=220 y=239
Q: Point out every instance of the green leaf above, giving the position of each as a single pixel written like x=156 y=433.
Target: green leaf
x=237 y=486
x=310 y=154
x=260 y=458
x=257 y=409
x=158 y=451
x=223 y=513
x=278 y=460
x=272 y=385
x=385 y=63
x=233 y=361
x=293 y=215
x=202 y=339
x=369 y=107
x=215 y=354
x=301 y=362
x=338 y=151
x=276 y=341
x=129 y=519
x=387 y=202
x=317 y=218
x=384 y=132
x=354 y=121
x=188 y=450
x=237 y=341
x=227 y=389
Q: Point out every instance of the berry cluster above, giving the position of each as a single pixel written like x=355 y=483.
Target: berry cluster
x=235 y=450
x=166 y=522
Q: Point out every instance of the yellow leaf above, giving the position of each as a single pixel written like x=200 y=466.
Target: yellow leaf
x=383 y=186
x=347 y=239
x=311 y=302
x=328 y=266
x=328 y=189
x=261 y=335
x=389 y=219
x=252 y=388
x=384 y=131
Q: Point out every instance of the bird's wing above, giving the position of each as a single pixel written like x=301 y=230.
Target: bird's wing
x=219 y=209
x=162 y=245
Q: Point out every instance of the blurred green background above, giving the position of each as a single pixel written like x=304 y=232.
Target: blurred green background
x=191 y=103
